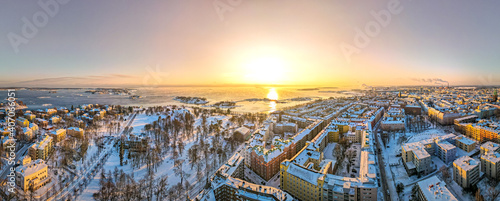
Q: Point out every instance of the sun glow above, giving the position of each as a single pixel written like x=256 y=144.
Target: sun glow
x=272 y=95
x=265 y=70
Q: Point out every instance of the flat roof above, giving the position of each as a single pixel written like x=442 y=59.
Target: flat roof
x=466 y=163
x=433 y=189
x=465 y=140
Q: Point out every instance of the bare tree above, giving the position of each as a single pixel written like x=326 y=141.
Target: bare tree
x=178 y=169
x=492 y=193
x=478 y=196
x=445 y=172
x=161 y=188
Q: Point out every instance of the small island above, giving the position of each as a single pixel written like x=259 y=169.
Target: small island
x=191 y=100
x=300 y=99
x=224 y=104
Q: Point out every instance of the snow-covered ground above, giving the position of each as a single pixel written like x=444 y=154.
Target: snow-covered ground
x=141 y=120
x=166 y=168
x=427 y=134
x=328 y=151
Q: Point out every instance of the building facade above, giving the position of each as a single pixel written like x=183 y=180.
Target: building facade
x=41 y=149
x=490 y=164
x=33 y=175
x=466 y=171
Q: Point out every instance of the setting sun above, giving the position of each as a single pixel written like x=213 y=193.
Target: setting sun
x=272 y=95
x=269 y=70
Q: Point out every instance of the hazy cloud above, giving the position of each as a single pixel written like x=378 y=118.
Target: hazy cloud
x=431 y=80
x=74 y=80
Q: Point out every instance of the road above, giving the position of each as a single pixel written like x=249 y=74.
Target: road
x=381 y=164
x=19 y=155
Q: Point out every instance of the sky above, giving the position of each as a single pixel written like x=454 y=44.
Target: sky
x=92 y=43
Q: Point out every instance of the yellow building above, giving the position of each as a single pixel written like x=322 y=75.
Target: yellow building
x=76 y=132
x=333 y=134
x=58 y=135
x=8 y=144
x=336 y=129
x=490 y=164
x=55 y=119
x=22 y=122
x=303 y=187
x=465 y=144
x=41 y=149
x=26 y=160
x=34 y=128
x=50 y=111
x=4 y=132
x=28 y=133
x=30 y=116
x=489 y=147
x=466 y=171
x=34 y=174
x=481 y=131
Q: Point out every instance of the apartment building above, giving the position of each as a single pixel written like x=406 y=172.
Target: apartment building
x=42 y=122
x=29 y=116
x=489 y=147
x=55 y=119
x=34 y=128
x=393 y=120
x=50 y=111
x=465 y=143
x=27 y=133
x=417 y=155
x=446 y=151
x=76 y=132
x=482 y=131
x=58 y=135
x=22 y=122
x=433 y=189
x=466 y=171
x=490 y=164
x=229 y=188
x=41 y=149
x=308 y=176
x=266 y=162
x=33 y=175
x=234 y=167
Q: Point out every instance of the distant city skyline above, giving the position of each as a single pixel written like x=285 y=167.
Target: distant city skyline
x=178 y=43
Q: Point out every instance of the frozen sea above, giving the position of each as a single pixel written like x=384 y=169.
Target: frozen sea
x=156 y=96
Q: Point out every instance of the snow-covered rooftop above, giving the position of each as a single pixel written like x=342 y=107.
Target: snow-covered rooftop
x=31 y=168
x=434 y=189
x=490 y=146
x=465 y=140
x=466 y=163
x=307 y=175
x=491 y=156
